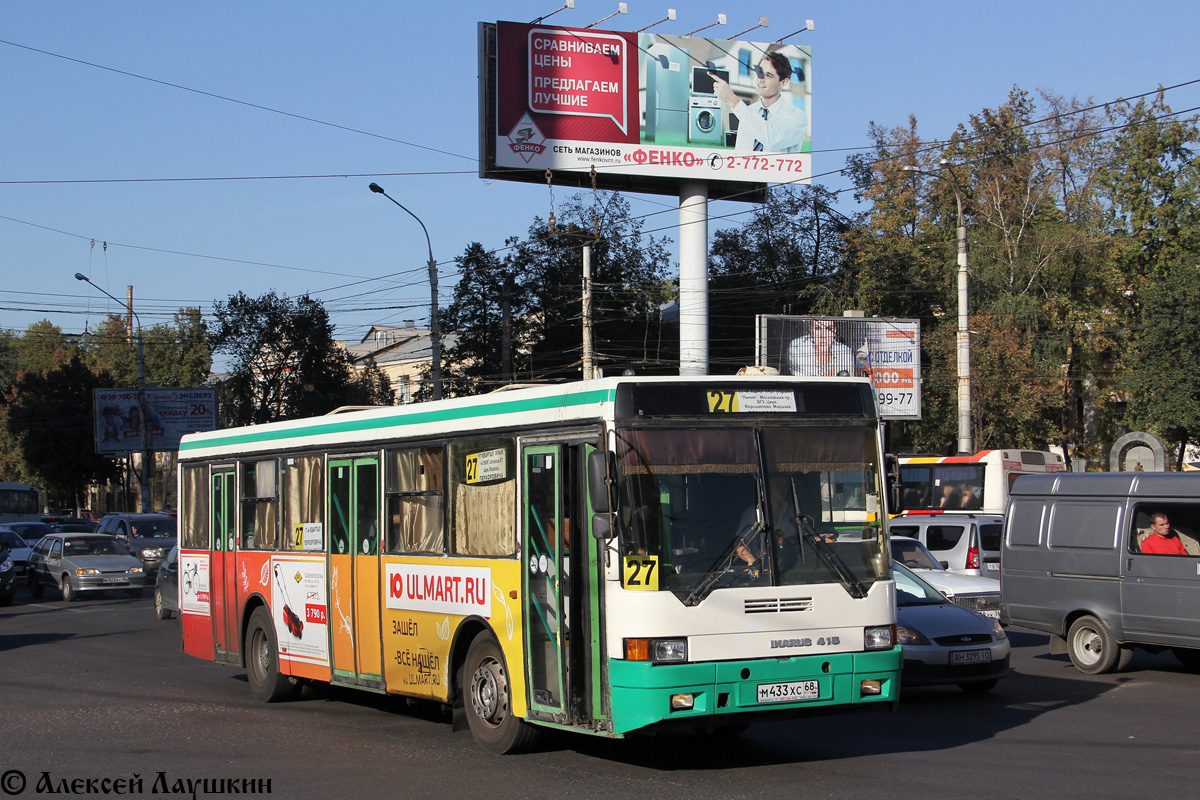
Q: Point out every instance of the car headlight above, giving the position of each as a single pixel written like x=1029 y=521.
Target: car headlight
x=6 y=564
x=879 y=637
x=152 y=552
x=998 y=631
x=910 y=635
x=87 y=572
x=136 y=570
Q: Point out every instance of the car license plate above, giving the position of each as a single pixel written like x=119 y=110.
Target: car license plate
x=115 y=580
x=992 y=566
x=788 y=692
x=971 y=657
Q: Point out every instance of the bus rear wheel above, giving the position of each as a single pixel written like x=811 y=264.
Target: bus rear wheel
x=487 y=701
x=262 y=661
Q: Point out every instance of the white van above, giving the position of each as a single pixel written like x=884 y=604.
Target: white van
x=968 y=544
x=1077 y=564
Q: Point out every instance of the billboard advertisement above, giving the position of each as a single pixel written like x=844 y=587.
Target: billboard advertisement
x=884 y=349
x=646 y=111
x=170 y=413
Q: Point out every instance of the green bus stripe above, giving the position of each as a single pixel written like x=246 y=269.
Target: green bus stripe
x=260 y=434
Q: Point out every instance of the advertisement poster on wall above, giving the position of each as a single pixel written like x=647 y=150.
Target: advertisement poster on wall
x=884 y=349
x=644 y=105
x=170 y=413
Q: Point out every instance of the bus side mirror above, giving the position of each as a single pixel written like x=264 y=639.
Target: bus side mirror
x=602 y=481
x=602 y=492
x=891 y=466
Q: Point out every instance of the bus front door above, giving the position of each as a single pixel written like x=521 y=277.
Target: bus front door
x=354 y=600
x=223 y=570
x=553 y=547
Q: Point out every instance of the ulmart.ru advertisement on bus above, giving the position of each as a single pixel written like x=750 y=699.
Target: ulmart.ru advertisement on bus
x=645 y=104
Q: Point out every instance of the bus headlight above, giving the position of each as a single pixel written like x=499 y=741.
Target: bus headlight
x=879 y=637
x=668 y=651
x=656 y=651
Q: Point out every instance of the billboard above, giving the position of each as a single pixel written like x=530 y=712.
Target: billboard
x=170 y=413
x=886 y=350
x=645 y=111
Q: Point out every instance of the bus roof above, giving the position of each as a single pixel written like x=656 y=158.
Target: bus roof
x=579 y=401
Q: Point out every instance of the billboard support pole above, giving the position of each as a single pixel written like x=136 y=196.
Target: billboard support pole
x=693 y=278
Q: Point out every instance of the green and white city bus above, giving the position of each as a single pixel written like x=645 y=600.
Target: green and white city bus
x=613 y=556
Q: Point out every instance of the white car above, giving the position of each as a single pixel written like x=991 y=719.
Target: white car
x=981 y=595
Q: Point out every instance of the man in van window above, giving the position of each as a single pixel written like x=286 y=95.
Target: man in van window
x=1161 y=540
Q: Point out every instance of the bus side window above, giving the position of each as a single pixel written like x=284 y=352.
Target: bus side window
x=415 y=501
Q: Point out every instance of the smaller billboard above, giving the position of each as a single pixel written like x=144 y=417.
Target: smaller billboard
x=884 y=349
x=170 y=414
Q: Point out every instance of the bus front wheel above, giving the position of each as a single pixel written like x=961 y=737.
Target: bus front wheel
x=262 y=660
x=487 y=700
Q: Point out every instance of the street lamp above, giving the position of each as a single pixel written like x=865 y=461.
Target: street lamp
x=963 y=337
x=435 y=339
x=147 y=457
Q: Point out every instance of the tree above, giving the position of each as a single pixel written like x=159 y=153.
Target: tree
x=283 y=361
x=43 y=348
x=50 y=414
x=531 y=299
x=1164 y=381
x=780 y=262
x=175 y=354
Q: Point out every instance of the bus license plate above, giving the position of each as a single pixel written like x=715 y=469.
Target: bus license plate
x=789 y=692
x=971 y=657
x=114 y=580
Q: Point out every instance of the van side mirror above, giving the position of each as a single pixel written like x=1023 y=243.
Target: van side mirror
x=602 y=492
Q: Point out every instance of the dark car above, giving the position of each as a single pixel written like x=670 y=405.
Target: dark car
x=166 y=589
x=149 y=536
x=30 y=531
x=84 y=562
x=74 y=525
x=8 y=576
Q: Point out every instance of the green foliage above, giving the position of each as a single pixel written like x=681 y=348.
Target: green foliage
x=283 y=361
x=1163 y=381
x=539 y=280
x=780 y=262
x=50 y=414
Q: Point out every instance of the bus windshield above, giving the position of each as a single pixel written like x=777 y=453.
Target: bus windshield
x=753 y=506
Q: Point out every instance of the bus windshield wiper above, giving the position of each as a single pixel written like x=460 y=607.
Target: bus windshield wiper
x=805 y=530
x=723 y=563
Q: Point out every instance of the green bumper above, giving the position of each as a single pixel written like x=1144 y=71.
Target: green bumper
x=641 y=691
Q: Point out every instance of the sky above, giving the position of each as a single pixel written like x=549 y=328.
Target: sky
x=196 y=150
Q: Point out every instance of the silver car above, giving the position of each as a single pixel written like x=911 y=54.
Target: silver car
x=84 y=562
x=945 y=644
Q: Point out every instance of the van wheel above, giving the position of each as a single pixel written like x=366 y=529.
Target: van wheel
x=1188 y=657
x=1093 y=650
x=487 y=701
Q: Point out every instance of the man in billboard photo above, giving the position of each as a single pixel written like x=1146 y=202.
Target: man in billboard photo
x=773 y=123
x=820 y=353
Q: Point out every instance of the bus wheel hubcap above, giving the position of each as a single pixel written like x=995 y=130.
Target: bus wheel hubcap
x=485 y=692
